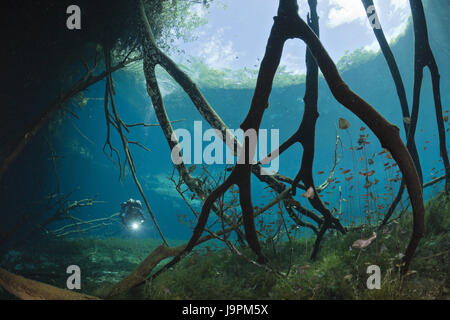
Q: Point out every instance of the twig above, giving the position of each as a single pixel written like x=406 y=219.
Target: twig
x=151 y=124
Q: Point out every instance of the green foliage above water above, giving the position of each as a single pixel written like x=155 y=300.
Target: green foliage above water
x=355 y=58
x=205 y=76
x=176 y=21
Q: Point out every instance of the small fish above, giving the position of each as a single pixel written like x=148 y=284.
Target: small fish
x=349 y=178
x=320 y=172
x=343 y=124
x=362 y=128
x=346 y=171
x=368 y=174
x=446 y=118
x=370 y=161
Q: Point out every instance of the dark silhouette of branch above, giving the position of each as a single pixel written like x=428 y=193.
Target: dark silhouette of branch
x=434 y=181
x=423 y=57
x=119 y=125
x=207 y=112
x=150 y=124
x=86 y=81
x=387 y=134
x=395 y=72
x=398 y=198
x=305 y=135
x=289 y=25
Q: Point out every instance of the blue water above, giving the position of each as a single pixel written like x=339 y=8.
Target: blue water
x=85 y=171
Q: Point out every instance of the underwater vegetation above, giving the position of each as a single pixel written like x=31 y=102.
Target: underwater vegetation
x=338 y=273
x=101 y=179
x=214 y=272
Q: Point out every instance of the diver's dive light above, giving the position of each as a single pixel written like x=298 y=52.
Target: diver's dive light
x=135 y=226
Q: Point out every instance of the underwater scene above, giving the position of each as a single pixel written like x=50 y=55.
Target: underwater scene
x=225 y=150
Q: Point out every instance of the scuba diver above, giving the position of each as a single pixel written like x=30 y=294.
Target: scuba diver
x=131 y=214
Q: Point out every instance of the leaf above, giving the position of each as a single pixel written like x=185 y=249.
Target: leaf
x=343 y=124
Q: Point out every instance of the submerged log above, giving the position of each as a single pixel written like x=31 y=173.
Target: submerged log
x=141 y=273
x=27 y=289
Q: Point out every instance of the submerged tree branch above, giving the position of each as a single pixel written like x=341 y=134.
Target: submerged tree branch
x=86 y=81
x=395 y=72
x=387 y=133
x=27 y=289
x=119 y=126
x=423 y=57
